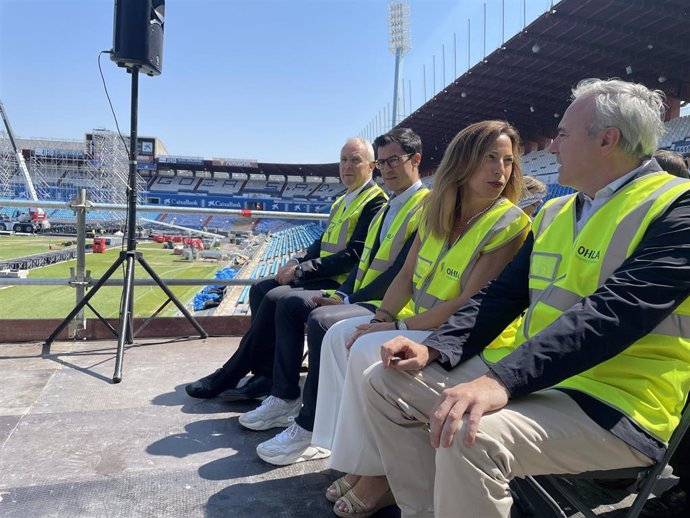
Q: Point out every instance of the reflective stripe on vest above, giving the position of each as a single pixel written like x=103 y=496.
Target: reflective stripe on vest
x=616 y=252
x=404 y=225
x=442 y=275
x=342 y=221
x=649 y=380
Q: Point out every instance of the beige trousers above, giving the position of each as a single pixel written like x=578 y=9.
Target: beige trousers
x=341 y=423
x=543 y=433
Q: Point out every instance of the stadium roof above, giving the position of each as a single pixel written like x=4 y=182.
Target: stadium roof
x=528 y=80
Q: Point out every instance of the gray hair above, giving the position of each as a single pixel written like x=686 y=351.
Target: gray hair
x=368 y=148
x=633 y=108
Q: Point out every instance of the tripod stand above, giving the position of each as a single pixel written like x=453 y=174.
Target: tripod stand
x=125 y=333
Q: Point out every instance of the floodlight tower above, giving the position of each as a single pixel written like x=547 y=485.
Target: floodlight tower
x=399 y=44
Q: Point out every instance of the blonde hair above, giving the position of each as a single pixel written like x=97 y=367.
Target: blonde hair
x=463 y=156
x=533 y=186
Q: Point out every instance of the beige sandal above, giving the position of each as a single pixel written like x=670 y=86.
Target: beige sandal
x=357 y=508
x=341 y=486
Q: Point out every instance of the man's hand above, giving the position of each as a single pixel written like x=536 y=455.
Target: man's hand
x=403 y=354
x=326 y=301
x=364 y=329
x=477 y=397
x=286 y=274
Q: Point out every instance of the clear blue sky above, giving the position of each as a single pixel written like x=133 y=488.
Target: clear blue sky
x=272 y=80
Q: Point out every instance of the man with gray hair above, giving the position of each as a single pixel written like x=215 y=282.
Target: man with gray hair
x=599 y=370
x=324 y=265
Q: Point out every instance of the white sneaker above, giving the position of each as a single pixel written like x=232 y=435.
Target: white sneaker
x=291 y=445
x=272 y=412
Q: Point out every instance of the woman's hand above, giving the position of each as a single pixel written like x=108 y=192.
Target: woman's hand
x=403 y=354
x=364 y=329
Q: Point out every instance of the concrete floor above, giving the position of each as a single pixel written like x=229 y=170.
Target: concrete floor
x=72 y=444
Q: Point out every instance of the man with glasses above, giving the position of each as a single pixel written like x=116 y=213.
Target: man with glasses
x=390 y=237
x=599 y=370
x=325 y=265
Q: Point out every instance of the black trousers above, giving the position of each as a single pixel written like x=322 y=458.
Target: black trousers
x=292 y=312
x=256 y=350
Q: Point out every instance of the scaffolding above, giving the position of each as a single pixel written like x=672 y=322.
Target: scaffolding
x=110 y=159
x=9 y=169
x=59 y=168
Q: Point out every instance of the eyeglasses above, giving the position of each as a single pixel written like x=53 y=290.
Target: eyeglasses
x=392 y=161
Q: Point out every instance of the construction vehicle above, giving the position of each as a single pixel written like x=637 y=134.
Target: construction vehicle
x=23 y=220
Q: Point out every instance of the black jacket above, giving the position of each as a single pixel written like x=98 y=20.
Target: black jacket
x=643 y=291
x=315 y=267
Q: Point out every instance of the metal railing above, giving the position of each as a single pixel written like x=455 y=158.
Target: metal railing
x=81 y=279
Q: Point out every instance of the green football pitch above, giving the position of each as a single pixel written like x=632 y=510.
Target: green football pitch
x=57 y=301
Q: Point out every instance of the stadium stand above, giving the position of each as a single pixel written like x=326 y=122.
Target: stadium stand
x=280 y=247
x=93 y=216
x=174 y=184
x=266 y=188
x=298 y=188
x=225 y=187
x=676 y=130
x=327 y=190
x=221 y=222
x=539 y=163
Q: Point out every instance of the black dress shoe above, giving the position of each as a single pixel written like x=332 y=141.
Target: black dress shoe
x=209 y=386
x=256 y=387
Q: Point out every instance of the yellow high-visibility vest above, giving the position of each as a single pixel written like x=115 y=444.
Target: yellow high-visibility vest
x=404 y=225
x=441 y=272
x=649 y=380
x=342 y=222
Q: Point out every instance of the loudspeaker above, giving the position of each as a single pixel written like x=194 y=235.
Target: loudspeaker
x=138 y=35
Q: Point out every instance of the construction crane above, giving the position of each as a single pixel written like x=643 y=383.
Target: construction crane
x=23 y=220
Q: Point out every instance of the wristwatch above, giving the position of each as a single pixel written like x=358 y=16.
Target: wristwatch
x=298 y=272
x=400 y=325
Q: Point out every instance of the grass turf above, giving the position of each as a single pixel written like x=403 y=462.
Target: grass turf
x=57 y=301
x=12 y=247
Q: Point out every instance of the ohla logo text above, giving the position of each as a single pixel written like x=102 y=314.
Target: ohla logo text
x=588 y=253
x=452 y=272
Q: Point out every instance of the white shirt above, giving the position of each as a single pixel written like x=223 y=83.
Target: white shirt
x=350 y=196
x=396 y=203
x=591 y=205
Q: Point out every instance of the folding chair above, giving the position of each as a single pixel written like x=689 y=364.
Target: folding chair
x=645 y=479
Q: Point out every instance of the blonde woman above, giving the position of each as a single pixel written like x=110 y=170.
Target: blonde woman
x=533 y=197
x=471 y=231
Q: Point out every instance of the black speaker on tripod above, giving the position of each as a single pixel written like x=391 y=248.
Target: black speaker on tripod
x=138 y=35
x=138 y=46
